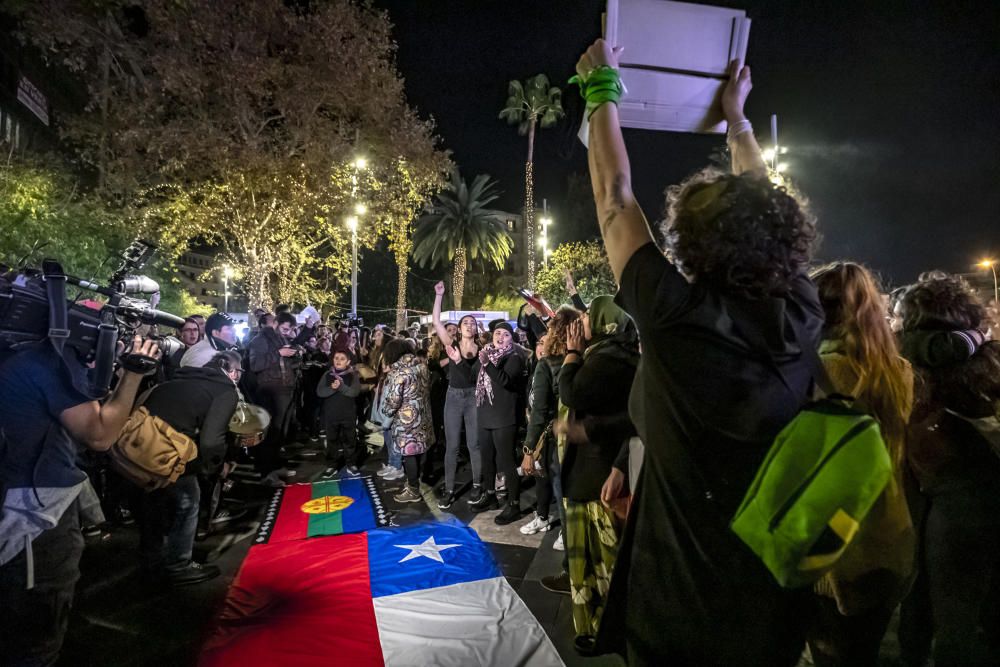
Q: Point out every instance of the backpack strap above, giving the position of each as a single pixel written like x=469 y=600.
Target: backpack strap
x=55 y=290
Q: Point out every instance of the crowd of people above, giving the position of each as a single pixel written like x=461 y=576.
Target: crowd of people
x=641 y=418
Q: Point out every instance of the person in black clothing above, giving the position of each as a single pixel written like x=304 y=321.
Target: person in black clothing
x=717 y=319
x=498 y=387
x=315 y=363
x=460 y=400
x=339 y=388
x=596 y=376
x=275 y=364
x=198 y=402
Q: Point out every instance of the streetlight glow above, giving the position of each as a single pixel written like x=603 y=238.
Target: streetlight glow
x=782 y=167
x=986 y=264
x=360 y=209
x=352 y=223
x=360 y=163
x=767 y=154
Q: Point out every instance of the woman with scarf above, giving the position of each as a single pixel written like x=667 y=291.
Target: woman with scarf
x=602 y=353
x=498 y=387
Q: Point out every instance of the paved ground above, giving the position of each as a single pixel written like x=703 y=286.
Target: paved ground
x=122 y=619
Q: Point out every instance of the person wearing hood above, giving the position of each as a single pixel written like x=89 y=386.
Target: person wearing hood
x=220 y=335
x=406 y=403
x=198 y=402
x=338 y=388
x=602 y=354
x=498 y=389
x=275 y=364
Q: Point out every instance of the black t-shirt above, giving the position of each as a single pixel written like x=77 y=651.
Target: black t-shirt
x=707 y=403
x=463 y=374
x=35 y=388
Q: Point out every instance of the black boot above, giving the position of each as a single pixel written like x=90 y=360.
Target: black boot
x=488 y=501
x=511 y=512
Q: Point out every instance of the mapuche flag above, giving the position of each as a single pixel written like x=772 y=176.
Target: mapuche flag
x=428 y=594
x=335 y=507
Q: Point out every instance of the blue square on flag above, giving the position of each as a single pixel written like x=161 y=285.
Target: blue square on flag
x=425 y=556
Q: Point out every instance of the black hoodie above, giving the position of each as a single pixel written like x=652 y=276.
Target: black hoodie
x=198 y=402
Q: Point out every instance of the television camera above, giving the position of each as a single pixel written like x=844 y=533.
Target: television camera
x=33 y=307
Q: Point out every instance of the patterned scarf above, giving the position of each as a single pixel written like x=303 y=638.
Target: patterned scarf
x=484 y=387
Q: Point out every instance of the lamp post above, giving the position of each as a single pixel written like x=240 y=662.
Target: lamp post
x=352 y=223
x=227 y=273
x=992 y=265
x=543 y=239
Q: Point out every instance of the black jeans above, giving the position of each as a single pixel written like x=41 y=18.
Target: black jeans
x=277 y=400
x=497 y=447
x=344 y=435
x=411 y=464
x=33 y=622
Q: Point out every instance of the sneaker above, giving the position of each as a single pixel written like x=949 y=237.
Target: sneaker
x=386 y=469
x=227 y=515
x=511 y=512
x=91 y=531
x=272 y=479
x=477 y=494
x=584 y=645
x=447 y=500
x=397 y=473
x=192 y=573
x=329 y=473
x=557 y=584
x=350 y=471
x=314 y=439
x=536 y=525
x=558 y=544
x=488 y=501
x=407 y=495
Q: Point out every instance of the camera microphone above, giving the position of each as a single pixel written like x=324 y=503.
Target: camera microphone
x=138 y=284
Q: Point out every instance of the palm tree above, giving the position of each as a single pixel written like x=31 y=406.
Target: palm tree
x=529 y=105
x=458 y=227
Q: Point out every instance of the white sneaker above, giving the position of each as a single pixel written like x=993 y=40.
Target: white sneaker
x=558 y=544
x=397 y=473
x=385 y=470
x=536 y=525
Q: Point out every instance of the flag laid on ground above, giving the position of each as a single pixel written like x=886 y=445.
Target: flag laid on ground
x=335 y=507
x=428 y=594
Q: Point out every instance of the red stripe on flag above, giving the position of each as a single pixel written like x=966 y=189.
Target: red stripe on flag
x=304 y=602
x=292 y=523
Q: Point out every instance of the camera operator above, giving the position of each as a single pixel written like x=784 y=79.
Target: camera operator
x=43 y=418
x=220 y=335
x=275 y=363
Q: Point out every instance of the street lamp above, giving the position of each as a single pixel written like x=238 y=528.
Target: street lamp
x=352 y=224
x=543 y=239
x=227 y=273
x=992 y=265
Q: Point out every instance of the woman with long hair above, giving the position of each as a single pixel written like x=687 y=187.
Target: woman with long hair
x=460 y=399
x=860 y=354
x=954 y=438
x=407 y=405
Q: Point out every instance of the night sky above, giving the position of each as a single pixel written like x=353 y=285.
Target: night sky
x=889 y=110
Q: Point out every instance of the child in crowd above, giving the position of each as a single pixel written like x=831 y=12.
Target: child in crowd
x=339 y=388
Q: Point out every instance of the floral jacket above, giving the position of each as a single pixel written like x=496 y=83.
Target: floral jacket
x=407 y=403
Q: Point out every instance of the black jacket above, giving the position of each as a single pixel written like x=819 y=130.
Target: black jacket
x=340 y=405
x=198 y=402
x=270 y=367
x=508 y=388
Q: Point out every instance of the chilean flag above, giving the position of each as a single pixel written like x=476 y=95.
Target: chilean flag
x=428 y=594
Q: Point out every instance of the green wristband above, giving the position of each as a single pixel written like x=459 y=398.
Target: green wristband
x=601 y=85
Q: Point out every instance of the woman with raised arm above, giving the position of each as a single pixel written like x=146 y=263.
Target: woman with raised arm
x=723 y=322
x=460 y=401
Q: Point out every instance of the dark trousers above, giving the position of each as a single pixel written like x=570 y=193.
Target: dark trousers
x=497 y=447
x=344 y=435
x=33 y=622
x=411 y=464
x=169 y=523
x=459 y=408
x=836 y=640
x=277 y=400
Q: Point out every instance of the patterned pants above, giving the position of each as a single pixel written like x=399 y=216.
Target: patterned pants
x=591 y=547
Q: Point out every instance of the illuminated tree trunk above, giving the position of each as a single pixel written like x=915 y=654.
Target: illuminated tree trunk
x=458 y=277
x=529 y=205
x=401 y=265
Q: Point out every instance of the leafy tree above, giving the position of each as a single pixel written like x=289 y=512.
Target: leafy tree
x=531 y=105
x=588 y=263
x=459 y=227
x=223 y=122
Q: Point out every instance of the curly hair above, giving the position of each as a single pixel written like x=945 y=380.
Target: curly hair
x=941 y=301
x=739 y=233
x=555 y=337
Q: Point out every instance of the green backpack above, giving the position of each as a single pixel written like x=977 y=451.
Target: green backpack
x=820 y=478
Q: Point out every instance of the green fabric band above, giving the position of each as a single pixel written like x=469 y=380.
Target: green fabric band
x=601 y=85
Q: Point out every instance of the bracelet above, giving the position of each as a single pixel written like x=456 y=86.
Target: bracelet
x=738 y=128
x=599 y=86
x=527 y=450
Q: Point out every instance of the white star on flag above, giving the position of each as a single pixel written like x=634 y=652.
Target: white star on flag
x=428 y=549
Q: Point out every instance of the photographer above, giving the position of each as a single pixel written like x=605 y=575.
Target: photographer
x=43 y=418
x=275 y=364
x=220 y=335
